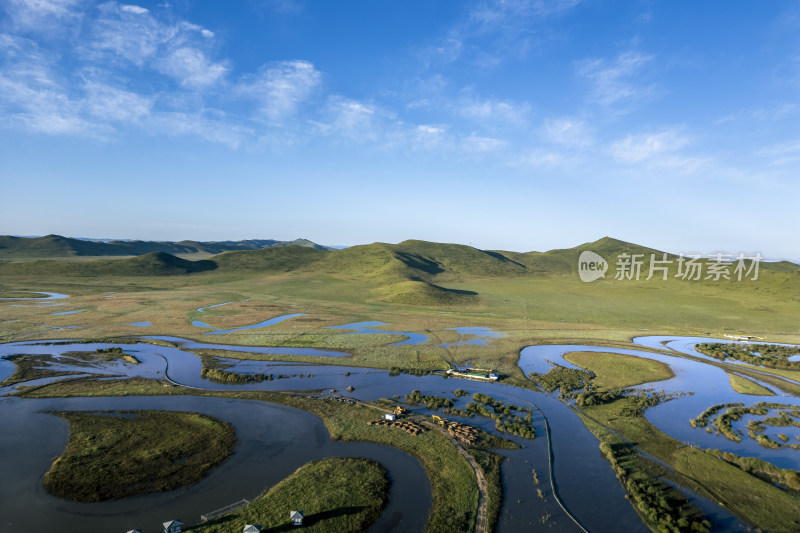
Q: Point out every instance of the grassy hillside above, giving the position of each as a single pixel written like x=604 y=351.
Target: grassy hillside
x=152 y=264
x=421 y=285
x=278 y=259
x=57 y=246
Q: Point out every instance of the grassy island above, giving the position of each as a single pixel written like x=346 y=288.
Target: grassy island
x=127 y=453
x=338 y=494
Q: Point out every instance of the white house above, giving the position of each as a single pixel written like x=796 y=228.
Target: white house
x=173 y=526
x=296 y=517
x=251 y=529
x=390 y=416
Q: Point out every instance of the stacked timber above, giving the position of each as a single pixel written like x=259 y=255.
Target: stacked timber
x=408 y=427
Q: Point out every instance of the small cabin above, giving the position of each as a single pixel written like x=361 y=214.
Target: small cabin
x=173 y=526
x=296 y=517
x=390 y=416
x=249 y=528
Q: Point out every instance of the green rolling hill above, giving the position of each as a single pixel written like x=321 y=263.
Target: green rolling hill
x=56 y=246
x=542 y=286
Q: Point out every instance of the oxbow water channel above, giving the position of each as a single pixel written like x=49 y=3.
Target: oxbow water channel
x=275 y=440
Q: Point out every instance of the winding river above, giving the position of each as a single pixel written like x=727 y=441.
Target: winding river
x=275 y=440
x=578 y=466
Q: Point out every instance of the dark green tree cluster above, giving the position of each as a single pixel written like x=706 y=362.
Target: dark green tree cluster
x=396 y=371
x=589 y=397
x=563 y=378
x=113 y=350
x=767 y=355
x=506 y=416
x=223 y=376
x=433 y=403
x=653 y=498
x=770 y=473
x=721 y=418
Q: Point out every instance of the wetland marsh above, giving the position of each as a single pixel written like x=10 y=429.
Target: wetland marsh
x=619 y=409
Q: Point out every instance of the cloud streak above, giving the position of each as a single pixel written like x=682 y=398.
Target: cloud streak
x=279 y=89
x=616 y=80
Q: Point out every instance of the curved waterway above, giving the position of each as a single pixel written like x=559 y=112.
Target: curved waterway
x=273 y=441
x=583 y=479
x=49 y=296
x=708 y=384
x=366 y=328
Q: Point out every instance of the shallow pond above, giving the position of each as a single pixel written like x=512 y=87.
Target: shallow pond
x=203 y=309
x=478 y=336
x=264 y=324
x=366 y=328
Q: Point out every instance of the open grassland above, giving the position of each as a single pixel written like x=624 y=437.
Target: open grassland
x=617 y=371
x=526 y=310
x=453 y=484
x=748 y=386
x=413 y=286
x=127 y=453
x=756 y=501
x=336 y=495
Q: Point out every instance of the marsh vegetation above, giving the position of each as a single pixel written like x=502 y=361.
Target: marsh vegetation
x=118 y=454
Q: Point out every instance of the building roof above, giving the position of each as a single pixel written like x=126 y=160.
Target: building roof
x=176 y=522
x=295 y=515
x=249 y=528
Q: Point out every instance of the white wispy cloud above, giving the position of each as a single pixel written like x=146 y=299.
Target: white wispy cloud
x=616 y=79
x=782 y=153
x=493 y=110
x=664 y=149
x=120 y=33
x=638 y=148
x=538 y=157
x=42 y=16
x=137 y=70
x=478 y=144
x=31 y=95
x=107 y=103
x=429 y=137
x=211 y=126
x=568 y=132
x=282 y=87
x=354 y=120
x=490 y=31
x=178 y=49
x=136 y=10
x=191 y=68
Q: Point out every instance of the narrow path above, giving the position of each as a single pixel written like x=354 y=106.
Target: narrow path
x=483 y=488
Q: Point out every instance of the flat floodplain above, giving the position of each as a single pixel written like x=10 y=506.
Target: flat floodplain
x=335 y=320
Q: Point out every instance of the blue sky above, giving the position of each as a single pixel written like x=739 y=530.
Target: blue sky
x=517 y=125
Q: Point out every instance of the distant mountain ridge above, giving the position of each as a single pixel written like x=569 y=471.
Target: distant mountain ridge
x=412 y=272
x=58 y=246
